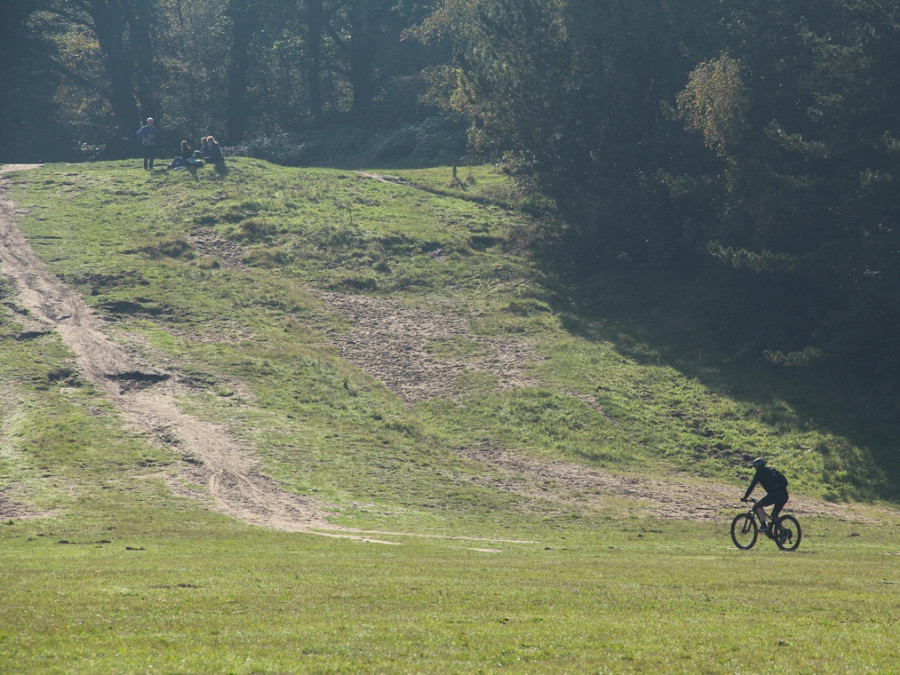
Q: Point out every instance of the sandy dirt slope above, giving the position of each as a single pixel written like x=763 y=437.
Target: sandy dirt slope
x=386 y=340
x=145 y=395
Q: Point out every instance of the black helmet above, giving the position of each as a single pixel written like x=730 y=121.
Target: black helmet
x=758 y=462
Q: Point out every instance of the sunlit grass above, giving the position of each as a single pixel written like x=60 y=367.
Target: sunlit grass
x=625 y=599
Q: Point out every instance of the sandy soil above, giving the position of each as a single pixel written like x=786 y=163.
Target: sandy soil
x=145 y=396
x=391 y=343
x=386 y=340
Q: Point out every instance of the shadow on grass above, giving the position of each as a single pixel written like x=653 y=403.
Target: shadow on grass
x=713 y=332
x=220 y=169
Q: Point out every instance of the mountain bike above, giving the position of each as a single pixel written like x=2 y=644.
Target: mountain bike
x=745 y=527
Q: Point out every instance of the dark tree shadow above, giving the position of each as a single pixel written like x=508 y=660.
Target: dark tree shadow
x=714 y=333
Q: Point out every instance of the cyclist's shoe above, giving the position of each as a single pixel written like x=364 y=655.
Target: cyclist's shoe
x=766 y=531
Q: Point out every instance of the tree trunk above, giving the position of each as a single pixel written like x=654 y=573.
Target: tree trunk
x=315 y=25
x=361 y=56
x=245 y=15
x=109 y=26
x=142 y=48
x=362 y=77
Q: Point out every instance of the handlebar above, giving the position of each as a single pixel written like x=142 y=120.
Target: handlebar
x=749 y=499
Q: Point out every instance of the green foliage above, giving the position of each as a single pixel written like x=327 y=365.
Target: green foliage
x=797 y=115
x=237 y=70
x=714 y=100
x=663 y=131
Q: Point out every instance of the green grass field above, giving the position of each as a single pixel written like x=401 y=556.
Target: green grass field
x=504 y=550
x=626 y=598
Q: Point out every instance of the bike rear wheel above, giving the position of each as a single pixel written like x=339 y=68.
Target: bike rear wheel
x=787 y=533
x=743 y=531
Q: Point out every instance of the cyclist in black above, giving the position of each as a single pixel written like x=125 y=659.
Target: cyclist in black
x=775 y=485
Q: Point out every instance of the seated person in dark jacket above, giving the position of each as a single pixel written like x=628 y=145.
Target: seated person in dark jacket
x=775 y=485
x=213 y=152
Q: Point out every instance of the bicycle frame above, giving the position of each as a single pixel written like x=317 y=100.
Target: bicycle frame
x=785 y=530
x=755 y=514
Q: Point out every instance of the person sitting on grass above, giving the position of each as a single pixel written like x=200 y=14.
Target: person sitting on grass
x=213 y=151
x=775 y=485
x=201 y=151
x=186 y=153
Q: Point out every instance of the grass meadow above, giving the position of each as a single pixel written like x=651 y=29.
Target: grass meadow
x=635 y=597
x=103 y=569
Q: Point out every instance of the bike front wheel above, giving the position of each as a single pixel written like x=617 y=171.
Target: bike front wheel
x=743 y=531
x=787 y=533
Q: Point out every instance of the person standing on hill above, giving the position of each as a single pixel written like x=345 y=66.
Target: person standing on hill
x=775 y=485
x=148 y=135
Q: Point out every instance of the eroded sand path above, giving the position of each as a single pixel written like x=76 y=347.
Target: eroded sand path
x=145 y=395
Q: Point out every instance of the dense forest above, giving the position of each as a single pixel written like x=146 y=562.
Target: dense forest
x=753 y=143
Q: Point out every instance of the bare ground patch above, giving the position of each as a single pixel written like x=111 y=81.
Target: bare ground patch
x=207 y=243
x=11 y=510
x=678 y=498
x=395 y=345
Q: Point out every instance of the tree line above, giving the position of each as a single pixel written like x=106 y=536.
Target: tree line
x=755 y=141
x=80 y=74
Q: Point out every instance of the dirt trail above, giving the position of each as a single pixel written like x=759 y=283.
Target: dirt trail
x=145 y=395
x=386 y=340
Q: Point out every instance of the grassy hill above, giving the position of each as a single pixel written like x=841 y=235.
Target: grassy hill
x=397 y=358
